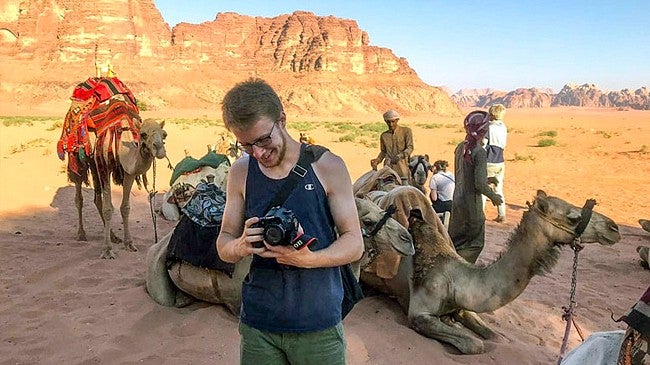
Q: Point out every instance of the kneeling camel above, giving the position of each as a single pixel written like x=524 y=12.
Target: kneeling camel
x=182 y=283
x=441 y=292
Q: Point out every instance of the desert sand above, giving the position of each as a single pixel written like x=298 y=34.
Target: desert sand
x=61 y=304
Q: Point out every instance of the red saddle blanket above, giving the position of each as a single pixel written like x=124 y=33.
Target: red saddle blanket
x=83 y=117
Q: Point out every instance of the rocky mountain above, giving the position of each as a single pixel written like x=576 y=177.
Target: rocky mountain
x=319 y=65
x=586 y=95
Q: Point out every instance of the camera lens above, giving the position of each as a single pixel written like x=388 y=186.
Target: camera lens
x=273 y=235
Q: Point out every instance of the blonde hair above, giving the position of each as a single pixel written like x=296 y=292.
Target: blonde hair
x=497 y=111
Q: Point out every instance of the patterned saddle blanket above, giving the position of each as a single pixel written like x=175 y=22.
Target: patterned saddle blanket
x=83 y=117
x=194 y=237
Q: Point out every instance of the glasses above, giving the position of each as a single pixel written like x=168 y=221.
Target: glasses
x=260 y=142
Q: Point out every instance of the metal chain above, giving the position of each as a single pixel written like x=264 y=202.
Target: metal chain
x=574 y=274
x=568 y=311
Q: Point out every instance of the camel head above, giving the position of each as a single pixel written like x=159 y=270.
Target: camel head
x=153 y=137
x=391 y=237
x=560 y=219
x=419 y=166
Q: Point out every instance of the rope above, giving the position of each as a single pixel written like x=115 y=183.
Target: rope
x=152 y=196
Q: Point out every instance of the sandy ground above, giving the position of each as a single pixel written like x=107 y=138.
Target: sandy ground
x=61 y=304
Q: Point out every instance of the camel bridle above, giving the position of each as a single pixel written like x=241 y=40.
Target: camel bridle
x=373 y=252
x=414 y=169
x=585 y=217
x=387 y=214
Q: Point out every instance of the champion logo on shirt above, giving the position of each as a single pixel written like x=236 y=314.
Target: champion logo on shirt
x=309 y=187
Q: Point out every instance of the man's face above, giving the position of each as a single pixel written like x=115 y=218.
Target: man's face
x=264 y=141
x=392 y=124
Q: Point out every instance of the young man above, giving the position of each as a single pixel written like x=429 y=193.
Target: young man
x=291 y=298
x=396 y=146
x=467 y=224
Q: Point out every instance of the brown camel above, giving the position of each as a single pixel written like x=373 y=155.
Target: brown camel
x=181 y=283
x=126 y=150
x=441 y=292
x=103 y=136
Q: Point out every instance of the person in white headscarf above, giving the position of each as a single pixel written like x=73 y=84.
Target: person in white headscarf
x=396 y=146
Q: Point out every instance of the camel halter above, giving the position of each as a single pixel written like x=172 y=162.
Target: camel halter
x=389 y=212
x=374 y=252
x=585 y=217
x=415 y=167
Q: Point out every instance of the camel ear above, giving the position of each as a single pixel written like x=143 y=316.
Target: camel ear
x=541 y=202
x=162 y=124
x=426 y=157
x=541 y=193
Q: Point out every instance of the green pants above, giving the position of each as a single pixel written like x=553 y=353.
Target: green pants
x=322 y=347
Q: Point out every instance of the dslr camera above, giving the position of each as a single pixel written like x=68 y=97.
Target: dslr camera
x=280 y=227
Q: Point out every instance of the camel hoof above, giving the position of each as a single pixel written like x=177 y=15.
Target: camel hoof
x=81 y=236
x=183 y=300
x=472 y=347
x=129 y=247
x=108 y=254
x=115 y=238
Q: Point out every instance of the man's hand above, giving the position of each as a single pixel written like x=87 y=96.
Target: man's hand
x=250 y=241
x=373 y=164
x=287 y=254
x=497 y=199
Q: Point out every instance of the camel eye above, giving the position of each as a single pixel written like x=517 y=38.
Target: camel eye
x=574 y=217
x=164 y=135
x=367 y=222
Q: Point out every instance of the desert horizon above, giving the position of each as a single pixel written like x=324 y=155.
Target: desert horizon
x=65 y=305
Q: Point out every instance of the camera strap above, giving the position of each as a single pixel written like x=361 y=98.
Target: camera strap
x=308 y=154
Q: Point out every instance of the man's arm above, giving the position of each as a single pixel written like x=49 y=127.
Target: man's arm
x=236 y=238
x=479 y=162
x=433 y=189
x=348 y=247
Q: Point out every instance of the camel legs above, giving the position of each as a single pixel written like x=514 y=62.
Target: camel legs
x=472 y=321
x=433 y=327
x=125 y=210
x=79 y=203
x=98 y=201
x=107 y=213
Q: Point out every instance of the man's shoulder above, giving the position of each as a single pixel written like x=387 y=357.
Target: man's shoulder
x=240 y=166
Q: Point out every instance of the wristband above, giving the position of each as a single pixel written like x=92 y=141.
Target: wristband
x=303 y=241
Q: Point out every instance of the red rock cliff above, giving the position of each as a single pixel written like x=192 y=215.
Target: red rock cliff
x=320 y=65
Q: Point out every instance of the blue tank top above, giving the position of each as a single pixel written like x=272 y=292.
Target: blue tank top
x=280 y=298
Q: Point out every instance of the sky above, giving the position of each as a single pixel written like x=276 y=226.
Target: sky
x=482 y=44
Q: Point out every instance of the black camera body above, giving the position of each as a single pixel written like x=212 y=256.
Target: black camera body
x=280 y=227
